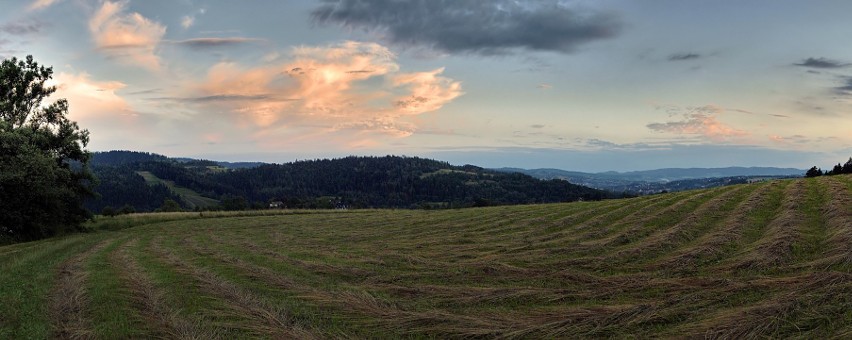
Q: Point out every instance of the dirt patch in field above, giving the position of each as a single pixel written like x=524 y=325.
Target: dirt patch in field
x=776 y=247
x=731 y=230
x=271 y=319
x=683 y=231
x=801 y=294
x=68 y=299
x=166 y=321
x=838 y=216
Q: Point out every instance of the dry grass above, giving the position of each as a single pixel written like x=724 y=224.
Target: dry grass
x=763 y=260
x=166 y=321
x=68 y=299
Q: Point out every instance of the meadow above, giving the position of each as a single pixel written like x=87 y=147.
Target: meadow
x=770 y=259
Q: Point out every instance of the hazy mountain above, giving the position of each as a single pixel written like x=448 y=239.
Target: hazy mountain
x=670 y=179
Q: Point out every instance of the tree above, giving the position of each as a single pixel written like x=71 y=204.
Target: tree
x=813 y=172
x=169 y=205
x=847 y=167
x=44 y=175
x=108 y=211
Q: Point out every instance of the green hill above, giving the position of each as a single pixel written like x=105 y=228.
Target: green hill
x=189 y=196
x=771 y=259
x=356 y=182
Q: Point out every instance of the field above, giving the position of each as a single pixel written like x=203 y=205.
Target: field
x=771 y=259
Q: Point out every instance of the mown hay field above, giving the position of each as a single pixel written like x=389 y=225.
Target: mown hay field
x=770 y=259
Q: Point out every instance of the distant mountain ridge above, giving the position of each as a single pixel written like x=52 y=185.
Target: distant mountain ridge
x=662 y=175
x=657 y=180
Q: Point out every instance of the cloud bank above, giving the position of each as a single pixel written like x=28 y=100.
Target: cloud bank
x=128 y=37
x=351 y=91
x=473 y=26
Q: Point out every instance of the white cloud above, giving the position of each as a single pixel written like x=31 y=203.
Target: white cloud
x=187 y=21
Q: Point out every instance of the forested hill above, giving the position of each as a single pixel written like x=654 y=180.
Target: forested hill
x=355 y=182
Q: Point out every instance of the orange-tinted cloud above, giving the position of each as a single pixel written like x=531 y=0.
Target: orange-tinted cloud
x=90 y=99
x=128 y=37
x=41 y=4
x=702 y=121
x=350 y=89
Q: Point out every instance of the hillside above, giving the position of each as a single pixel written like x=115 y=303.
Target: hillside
x=356 y=182
x=770 y=259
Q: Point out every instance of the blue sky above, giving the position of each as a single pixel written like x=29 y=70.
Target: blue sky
x=578 y=85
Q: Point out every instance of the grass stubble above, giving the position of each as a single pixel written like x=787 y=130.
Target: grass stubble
x=762 y=260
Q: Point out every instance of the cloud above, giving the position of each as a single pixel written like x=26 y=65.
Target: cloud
x=428 y=91
x=821 y=63
x=42 y=4
x=23 y=27
x=127 y=37
x=187 y=21
x=846 y=88
x=474 y=26
x=203 y=43
x=684 y=56
x=544 y=86
x=349 y=89
x=89 y=98
x=537 y=126
x=700 y=121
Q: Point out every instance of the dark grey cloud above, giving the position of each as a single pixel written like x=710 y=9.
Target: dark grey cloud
x=684 y=56
x=23 y=27
x=220 y=98
x=474 y=26
x=203 y=43
x=821 y=63
x=846 y=88
x=143 y=92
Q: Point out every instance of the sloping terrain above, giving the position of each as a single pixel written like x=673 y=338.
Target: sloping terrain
x=192 y=198
x=770 y=259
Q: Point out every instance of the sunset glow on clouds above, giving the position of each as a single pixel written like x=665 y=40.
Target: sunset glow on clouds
x=701 y=121
x=551 y=83
x=127 y=37
x=326 y=87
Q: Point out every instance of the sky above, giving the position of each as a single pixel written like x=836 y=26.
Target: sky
x=586 y=85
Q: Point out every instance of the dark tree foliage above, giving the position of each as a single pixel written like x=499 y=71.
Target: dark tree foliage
x=381 y=182
x=120 y=157
x=44 y=174
x=813 y=172
x=122 y=186
x=354 y=182
x=839 y=169
x=170 y=205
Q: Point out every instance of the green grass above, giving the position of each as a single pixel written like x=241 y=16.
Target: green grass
x=659 y=266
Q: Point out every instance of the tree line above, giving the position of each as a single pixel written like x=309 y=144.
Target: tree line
x=838 y=169
x=351 y=182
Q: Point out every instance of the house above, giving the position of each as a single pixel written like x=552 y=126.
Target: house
x=276 y=205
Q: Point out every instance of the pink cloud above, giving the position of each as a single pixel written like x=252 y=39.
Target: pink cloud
x=97 y=106
x=42 y=4
x=702 y=121
x=129 y=37
x=325 y=89
x=90 y=99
